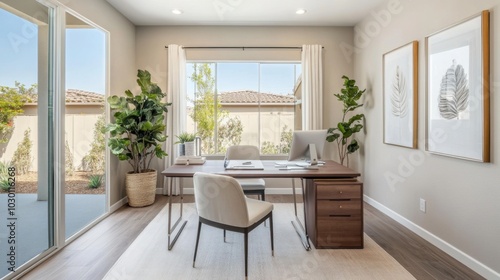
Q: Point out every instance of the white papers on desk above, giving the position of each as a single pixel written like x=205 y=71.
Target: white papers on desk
x=286 y=163
x=291 y=163
x=244 y=164
x=311 y=167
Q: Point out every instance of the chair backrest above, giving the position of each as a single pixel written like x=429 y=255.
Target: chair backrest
x=242 y=152
x=220 y=199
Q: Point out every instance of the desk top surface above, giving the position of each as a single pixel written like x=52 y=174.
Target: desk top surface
x=331 y=169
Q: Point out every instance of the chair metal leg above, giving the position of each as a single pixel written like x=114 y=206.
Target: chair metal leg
x=272 y=235
x=197 y=241
x=246 y=255
x=224 y=236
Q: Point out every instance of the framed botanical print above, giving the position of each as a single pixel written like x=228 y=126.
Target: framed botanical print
x=401 y=95
x=458 y=90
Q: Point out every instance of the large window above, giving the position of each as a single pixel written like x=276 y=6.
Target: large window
x=242 y=103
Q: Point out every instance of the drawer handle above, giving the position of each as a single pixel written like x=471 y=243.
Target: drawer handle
x=340 y=192
x=340 y=206
x=345 y=216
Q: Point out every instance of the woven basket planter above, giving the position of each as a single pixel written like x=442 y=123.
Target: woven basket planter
x=141 y=188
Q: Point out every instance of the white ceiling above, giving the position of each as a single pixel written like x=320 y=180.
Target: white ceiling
x=246 y=12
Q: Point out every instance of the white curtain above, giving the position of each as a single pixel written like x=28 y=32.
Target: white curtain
x=312 y=87
x=176 y=116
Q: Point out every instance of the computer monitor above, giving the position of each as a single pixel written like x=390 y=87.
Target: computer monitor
x=307 y=145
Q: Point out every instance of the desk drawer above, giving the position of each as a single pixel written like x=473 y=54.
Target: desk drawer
x=340 y=233
x=340 y=191
x=339 y=208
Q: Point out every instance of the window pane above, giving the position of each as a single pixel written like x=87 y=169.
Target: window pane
x=237 y=85
x=202 y=106
x=85 y=184
x=26 y=158
x=253 y=104
x=277 y=107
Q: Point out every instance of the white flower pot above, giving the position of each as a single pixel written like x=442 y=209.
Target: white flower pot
x=189 y=148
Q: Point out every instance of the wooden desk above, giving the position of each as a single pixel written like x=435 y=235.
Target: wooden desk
x=331 y=169
x=330 y=172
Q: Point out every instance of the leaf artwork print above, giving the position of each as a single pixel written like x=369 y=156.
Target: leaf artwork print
x=399 y=98
x=454 y=93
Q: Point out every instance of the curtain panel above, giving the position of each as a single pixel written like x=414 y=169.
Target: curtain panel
x=176 y=116
x=312 y=87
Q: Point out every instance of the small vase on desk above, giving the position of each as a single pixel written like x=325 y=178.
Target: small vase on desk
x=181 y=149
x=189 y=148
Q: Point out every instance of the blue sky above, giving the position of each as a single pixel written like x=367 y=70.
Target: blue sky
x=278 y=78
x=85 y=55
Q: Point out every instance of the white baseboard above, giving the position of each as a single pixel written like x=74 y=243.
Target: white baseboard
x=451 y=250
x=118 y=204
x=268 y=191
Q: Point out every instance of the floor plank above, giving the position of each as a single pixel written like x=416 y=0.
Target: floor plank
x=95 y=252
x=422 y=259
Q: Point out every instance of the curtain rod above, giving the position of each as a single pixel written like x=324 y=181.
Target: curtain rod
x=243 y=48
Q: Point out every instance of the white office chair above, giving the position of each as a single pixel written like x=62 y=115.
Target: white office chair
x=248 y=152
x=220 y=203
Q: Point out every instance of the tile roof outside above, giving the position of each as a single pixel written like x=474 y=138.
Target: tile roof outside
x=250 y=97
x=75 y=96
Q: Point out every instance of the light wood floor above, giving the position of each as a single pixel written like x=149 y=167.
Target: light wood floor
x=95 y=252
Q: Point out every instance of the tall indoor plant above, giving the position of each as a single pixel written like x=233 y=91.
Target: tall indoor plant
x=137 y=134
x=343 y=134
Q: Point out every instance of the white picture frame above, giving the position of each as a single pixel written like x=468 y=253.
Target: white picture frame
x=400 y=81
x=457 y=102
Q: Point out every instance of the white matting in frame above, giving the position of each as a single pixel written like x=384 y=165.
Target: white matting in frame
x=401 y=95
x=458 y=90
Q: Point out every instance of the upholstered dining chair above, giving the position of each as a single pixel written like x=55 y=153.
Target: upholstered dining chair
x=248 y=152
x=221 y=203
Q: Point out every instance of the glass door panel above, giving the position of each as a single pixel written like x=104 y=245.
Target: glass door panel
x=26 y=162
x=85 y=184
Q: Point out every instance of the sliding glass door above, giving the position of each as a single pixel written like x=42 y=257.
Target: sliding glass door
x=85 y=75
x=26 y=153
x=53 y=82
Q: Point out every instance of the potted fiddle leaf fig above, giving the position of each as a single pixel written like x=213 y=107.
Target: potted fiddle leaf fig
x=136 y=136
x=344 y=133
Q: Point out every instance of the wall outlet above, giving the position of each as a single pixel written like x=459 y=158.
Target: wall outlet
x=422 y=205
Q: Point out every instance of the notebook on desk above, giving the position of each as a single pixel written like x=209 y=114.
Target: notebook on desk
x=243 y=164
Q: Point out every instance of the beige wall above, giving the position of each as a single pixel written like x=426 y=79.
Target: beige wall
x=79 y=132
x=152 y=55
x=122 y=66
x=462 y=197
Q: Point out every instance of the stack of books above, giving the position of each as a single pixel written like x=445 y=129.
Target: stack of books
x=187 y=160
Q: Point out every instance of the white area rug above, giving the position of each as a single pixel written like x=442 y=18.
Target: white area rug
x=148 y=256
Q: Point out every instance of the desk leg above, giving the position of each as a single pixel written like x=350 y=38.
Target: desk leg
x=171 y=229
x=299 y=228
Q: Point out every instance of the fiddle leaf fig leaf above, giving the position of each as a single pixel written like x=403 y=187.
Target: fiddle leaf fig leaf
x=354 y=146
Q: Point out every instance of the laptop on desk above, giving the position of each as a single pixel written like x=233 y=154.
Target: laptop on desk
x=243 y=165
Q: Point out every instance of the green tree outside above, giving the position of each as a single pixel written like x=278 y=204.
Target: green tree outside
x=283 y=147
x=12 y=101
x=209 y=116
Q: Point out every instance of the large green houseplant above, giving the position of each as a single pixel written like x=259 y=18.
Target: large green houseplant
x=137 y=134
x=344 y=133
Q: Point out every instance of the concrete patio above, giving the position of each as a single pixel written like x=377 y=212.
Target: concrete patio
x=31 y=231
